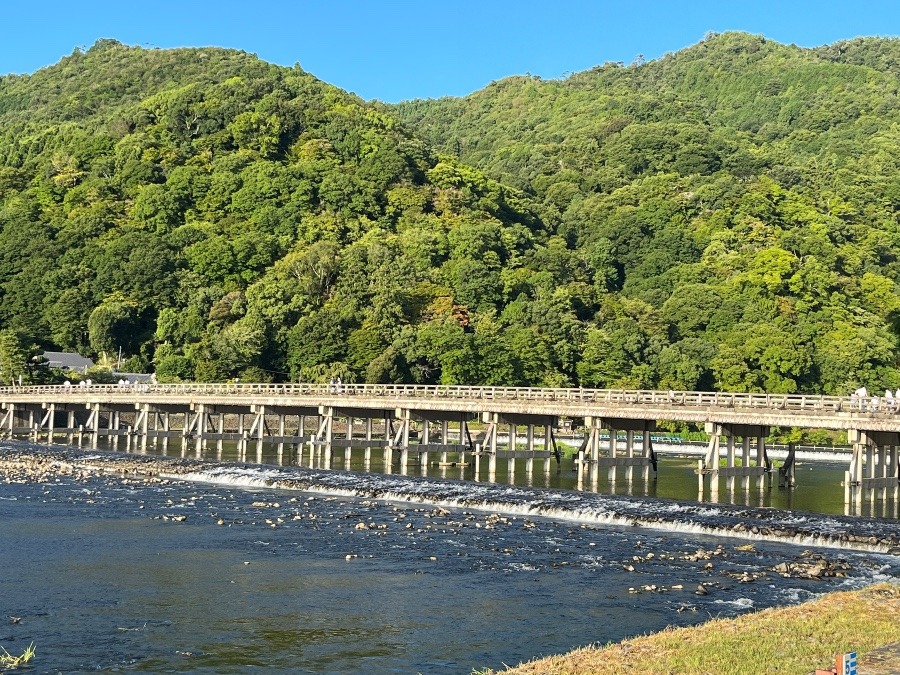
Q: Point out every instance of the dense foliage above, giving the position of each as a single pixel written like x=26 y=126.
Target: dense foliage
x=732 y=207
x=725 y=217
x=214 y=216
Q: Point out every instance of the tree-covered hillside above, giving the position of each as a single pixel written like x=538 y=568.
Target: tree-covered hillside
x=736 y=204
x=725 y=217
x=214 y=216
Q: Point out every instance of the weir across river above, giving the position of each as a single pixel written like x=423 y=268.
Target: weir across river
x=410 y=423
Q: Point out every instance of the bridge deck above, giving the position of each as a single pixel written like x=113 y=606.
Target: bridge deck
x=786 y=410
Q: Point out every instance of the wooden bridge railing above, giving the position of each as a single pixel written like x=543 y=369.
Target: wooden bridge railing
x=619 y=397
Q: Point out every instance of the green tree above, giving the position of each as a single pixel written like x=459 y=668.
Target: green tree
x=118 y=322
x=15 y=356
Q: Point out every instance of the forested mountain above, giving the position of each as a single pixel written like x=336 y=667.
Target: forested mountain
x=734 y=207
x=724 y=217
x=214 y=216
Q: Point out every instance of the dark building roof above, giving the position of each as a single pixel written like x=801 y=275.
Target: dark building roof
x=67 y=361
x=135 y=377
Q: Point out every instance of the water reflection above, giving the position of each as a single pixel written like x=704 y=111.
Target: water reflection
x=819 y=483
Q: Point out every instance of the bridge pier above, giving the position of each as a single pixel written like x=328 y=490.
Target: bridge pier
x=874 y=465
x=48 y=415
x=490 y=443
x=299 y=440
x=324 y=440
x=430 y=420
x=94 y=424
x=711 y=464
x=20 y=419
x=591 y=455
x=349 y=449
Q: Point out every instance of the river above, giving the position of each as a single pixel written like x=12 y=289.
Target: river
x=238 y=566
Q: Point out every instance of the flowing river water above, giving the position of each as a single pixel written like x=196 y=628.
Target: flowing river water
x=231 y=567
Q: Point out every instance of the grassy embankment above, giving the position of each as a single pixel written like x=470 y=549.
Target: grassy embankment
x=794 y=639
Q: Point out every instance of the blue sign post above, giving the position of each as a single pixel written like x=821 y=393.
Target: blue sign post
x=846 y=664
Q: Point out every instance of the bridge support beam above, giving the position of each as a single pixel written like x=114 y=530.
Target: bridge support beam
x=50 y=416
x=324 y=441
x=23 y=419
x=399 y=433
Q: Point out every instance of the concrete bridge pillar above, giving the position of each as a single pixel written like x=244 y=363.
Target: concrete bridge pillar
x=187 y=426
x=348 y=450
x=220 y=440
x=529 y=446
x=589 y=454
x=613 y=450
x=9 y=416
x=511 y=451
x=367 y=454
x=549 y=446
x=259 y=429
x=32 y=425
x=745 y=461
x=143 y=427
x=329 y=435
x=94 y=424
x=492 y=446
x=201 y=427
x=388 y=421
x=301 y=432
x=730 y=461
x=404 y=443
x=50 y=421
x=873 y=470
x=281 y=432
x=425 y=441
x=445 y=431
x=592 y=454
x=243 y=436
x=70 y=425
x=711 y=464
x=629 y=451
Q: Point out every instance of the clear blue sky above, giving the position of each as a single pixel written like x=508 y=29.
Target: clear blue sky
x=400 y=49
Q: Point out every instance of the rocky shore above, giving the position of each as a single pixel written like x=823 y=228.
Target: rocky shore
x=19 y=465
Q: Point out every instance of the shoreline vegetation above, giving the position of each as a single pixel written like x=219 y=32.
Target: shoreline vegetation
x=796 y=639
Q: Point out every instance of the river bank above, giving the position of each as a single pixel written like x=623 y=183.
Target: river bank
x=794 y=639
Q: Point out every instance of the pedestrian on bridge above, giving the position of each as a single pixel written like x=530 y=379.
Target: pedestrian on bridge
x=859 y=396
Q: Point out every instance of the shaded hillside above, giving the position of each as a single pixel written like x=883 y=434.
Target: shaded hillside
x=742 y=194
